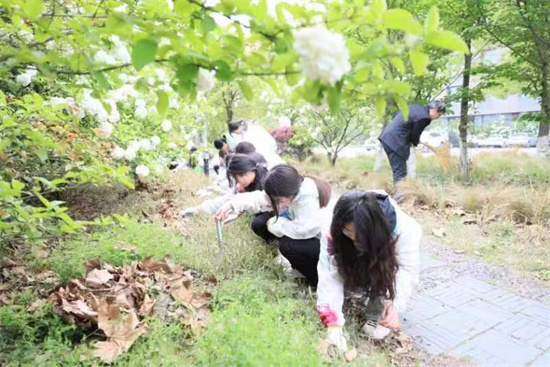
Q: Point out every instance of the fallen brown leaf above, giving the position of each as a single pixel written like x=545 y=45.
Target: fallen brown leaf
x=182 y=294
x=350 y=355
x=98 y=278
x=147 y=306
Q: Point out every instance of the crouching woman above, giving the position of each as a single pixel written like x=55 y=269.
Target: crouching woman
x=372 y=247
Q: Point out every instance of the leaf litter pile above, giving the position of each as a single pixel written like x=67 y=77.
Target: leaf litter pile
x=117 y=299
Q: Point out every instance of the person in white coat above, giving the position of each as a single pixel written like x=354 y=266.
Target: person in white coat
x=290 y=212
x=372 y=246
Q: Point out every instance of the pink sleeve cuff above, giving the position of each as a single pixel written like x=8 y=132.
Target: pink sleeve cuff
x=328 y=316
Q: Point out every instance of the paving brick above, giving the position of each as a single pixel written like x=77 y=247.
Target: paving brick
x=493 y=345
x=453 y=294
x=424 y=308
x=475 y=284
x=506 y=300
x=434 y=340
x=538 y=312
x=458 y=323
x=428 y=261
x=542 y=361
x=486 y=311
x=526 y=331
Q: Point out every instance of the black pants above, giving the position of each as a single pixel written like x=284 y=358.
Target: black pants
x=303 y=255
x=259 y=226
x=397 y=163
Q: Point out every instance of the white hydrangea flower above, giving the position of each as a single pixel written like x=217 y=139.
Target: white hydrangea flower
x=50 y=45
x=26 y=36
x=105 y=130
x=165 y=87
x=206 y=80
x=93 y=106
x=151 y=81
x=145 y=144
x=284 y=121
x=114 y=116
x=123 y=77
x=117 y=153
x=120 y=51
x=122 y=93
x=82 y=80
x=55 y=101
x=133 y=144
x=152 y=110
x=104 y=58
x=142 y=171
x=160 y=74
x=26 y=77
x=172 y=145
x=140 y=112
x=323 y=54
x=170 y=4
x=130 y=154
x=166 y=125
x=155 y=140
x=140 y=102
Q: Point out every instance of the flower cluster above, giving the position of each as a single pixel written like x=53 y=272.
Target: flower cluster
x=206 y=80
x=323 y=54
x=26 y=77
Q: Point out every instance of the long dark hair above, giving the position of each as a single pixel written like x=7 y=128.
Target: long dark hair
x=285 y=181
x=245 y=147
x=370 y=263
x=242 y=163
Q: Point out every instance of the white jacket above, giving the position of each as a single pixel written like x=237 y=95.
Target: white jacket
x=330 y=289
x=304 y=213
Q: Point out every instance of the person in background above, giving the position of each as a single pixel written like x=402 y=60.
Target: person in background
x=245 y=147
x=298 y=230
x=400 y=134
x=272 y=159
x=372 y=246
x=235 y=136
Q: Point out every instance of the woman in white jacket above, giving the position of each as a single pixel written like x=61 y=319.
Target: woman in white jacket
x=291 y=206
x=372 y=246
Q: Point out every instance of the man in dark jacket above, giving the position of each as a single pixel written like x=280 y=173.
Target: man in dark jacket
x=398 y=136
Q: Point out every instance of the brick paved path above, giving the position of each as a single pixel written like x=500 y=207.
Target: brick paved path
x=465 y=317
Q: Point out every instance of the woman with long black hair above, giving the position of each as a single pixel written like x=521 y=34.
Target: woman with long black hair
x=372 y=247
x=291 y=213
x=248 y=171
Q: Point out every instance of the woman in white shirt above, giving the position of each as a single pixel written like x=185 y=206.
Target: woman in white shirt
x=372 y=246
x=291 y=213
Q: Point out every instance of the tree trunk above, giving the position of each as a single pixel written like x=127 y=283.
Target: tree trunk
x=544 y=126
x=464 y=119
x=411 y=163
x=379 y=158
x=380 y=153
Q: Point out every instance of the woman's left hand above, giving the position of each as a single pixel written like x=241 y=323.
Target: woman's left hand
x=390 y=317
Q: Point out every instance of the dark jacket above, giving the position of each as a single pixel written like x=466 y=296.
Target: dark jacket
x=387 y=209
x=400 y=134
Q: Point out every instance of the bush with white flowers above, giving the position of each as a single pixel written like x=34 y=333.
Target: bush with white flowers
x=142 y=171
x=323 y=54
x=25 y=78
x=166 y=125
x=206 y=80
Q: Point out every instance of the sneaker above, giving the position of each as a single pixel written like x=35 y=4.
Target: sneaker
x=374 y=330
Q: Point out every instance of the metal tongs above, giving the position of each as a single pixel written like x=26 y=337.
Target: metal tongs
x=219 y=225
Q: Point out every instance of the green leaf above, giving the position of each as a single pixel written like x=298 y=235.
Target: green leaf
x=398 y=64
x=432 y=20
x=292 y=78
x=380 y=106
x=162 y=102
x=447 y=40
x=17 y=186
x=208 y=23
x=227 y=6
x=376 y=9
x=100 y=78
x=37 y=99
x=247 y=91
x=223 y=71
x=143 y=53
x=403 y=106
x=396 y=87
x=42 y=154
x=419 y=61
x=126 y=182
x=187 y=72
x=402 y=20
x=334 y=96
x=44 y=201
x=2 y=98
x=33 y=8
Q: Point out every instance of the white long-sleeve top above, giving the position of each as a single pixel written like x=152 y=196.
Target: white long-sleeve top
x=330 y=289
x=304 y=213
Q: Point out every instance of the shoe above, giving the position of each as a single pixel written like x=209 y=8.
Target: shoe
x=188 y=212
x=375 y=331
